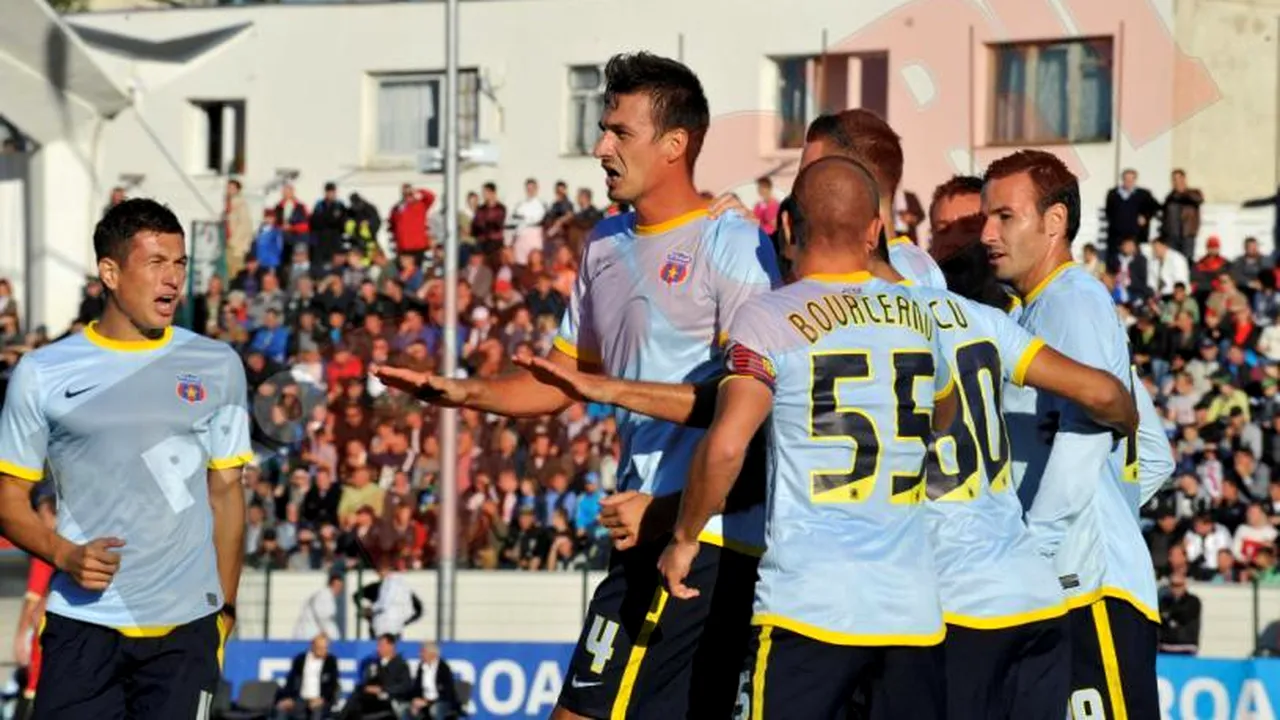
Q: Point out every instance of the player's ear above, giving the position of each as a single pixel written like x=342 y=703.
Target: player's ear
x=1055 y=221
x=109 y=271
x=872 y=238
x=675 y=143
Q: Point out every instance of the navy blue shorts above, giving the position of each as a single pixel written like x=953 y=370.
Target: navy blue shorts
x=1113 y=662
x=92 y=671
x=648 y=656
x=1015 y=673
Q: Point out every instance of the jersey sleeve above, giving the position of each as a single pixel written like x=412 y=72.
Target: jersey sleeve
x=1155 y=455
x=744 y=265
x=1017 y=346
x=24 y=431
x=229 y=444
x=1073 y=330
x=749 y=352
x=577 y=337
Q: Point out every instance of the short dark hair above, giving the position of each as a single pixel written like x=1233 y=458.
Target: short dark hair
x=490 y=186
x=867 y=138
x=1054 y=183
x=765 y=180
x=388 y=637
x=956 y=186
x=675 y=94
x=117 y=228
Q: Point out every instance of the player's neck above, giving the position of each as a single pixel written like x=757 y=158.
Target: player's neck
x=115 y=325
x=815 y=261
x=1028 y=283
x=668 y=201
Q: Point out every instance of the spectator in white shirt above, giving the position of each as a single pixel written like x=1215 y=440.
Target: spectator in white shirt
x=1166 y=269
x=527 y=220
x=395 y=605
x=312 y=685
x=319 y=614
x=1256 y=532
x=435 y=692
x=1203 y=543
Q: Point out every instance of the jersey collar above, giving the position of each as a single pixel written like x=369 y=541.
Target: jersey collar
x=92 y=335
x=1040 y=287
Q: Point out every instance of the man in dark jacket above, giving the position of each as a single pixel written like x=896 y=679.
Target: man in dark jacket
x=328 y=222
x=1129 y=212
x=435 y=692
x=1180 y=221
x=1179 y=618
x=312 y=686
x=385 y=684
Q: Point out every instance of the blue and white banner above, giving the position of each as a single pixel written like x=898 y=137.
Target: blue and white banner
x=522 y=680
x=1210 y=689
x=508 y=680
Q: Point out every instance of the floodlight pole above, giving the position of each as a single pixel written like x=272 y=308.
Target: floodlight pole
x=449 y=416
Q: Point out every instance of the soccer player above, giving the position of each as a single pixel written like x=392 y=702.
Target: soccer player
x=864 y=137
x=145 y=428
x=656 y=292
x=849 y=366
x=1081 y=495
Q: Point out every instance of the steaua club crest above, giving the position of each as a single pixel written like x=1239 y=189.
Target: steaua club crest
x=191 y=389
x=676 y=269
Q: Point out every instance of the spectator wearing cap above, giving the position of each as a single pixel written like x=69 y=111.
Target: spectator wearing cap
x=1209 y=266
x=1179 y=618
x=408 y=221
x=482 y=329
x=328 y=222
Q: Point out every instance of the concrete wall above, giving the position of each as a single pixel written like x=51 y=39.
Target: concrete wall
x=1230 y=148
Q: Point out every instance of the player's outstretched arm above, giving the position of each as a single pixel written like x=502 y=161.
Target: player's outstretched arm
x=1155 y=455
x=744 y=403
x=517 y=394
x=665 y=401
x=226 y=500
x=1102 y=396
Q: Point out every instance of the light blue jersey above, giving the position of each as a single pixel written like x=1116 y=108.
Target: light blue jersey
x=856 y=368
x=654 y=304
x=915 y=264
x=1080 y=489
x=128 y=431
x=1155 y=454
x=989 y=573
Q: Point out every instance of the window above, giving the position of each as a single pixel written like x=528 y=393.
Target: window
x=220 y=136
x=586 y=107
x=809 y=86
x=410 y=113
x=1052 y=92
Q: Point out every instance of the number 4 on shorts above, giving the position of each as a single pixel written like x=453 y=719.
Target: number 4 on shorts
x=599 y=642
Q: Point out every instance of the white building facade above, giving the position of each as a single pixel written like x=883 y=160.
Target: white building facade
x=352 y=93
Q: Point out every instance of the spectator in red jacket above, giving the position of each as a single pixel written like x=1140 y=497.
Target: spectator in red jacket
x=408 y=221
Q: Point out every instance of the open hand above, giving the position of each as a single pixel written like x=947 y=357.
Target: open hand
x=730 y=202
x=423 y=386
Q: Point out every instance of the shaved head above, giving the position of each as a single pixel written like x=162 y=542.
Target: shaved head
x=837 y=201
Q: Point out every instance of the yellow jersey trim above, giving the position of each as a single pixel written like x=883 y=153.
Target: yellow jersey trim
x=853 y=277
x=762 y=669
x=737 y=546
x=900 y=240
x=146 y=632
x=231 y=462
x=222 y=638
x=1024 y=362
x=671 y=224
x=628 y=682
x=1000 y=622
x=1110 y=663
x=1076 y=602
x=20 y=472
x=838 y=638
x=1040 y=286
x=572 y=351
x=92 y=335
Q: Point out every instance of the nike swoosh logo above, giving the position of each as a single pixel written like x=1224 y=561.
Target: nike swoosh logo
x=575 y=682
x=69 y=393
